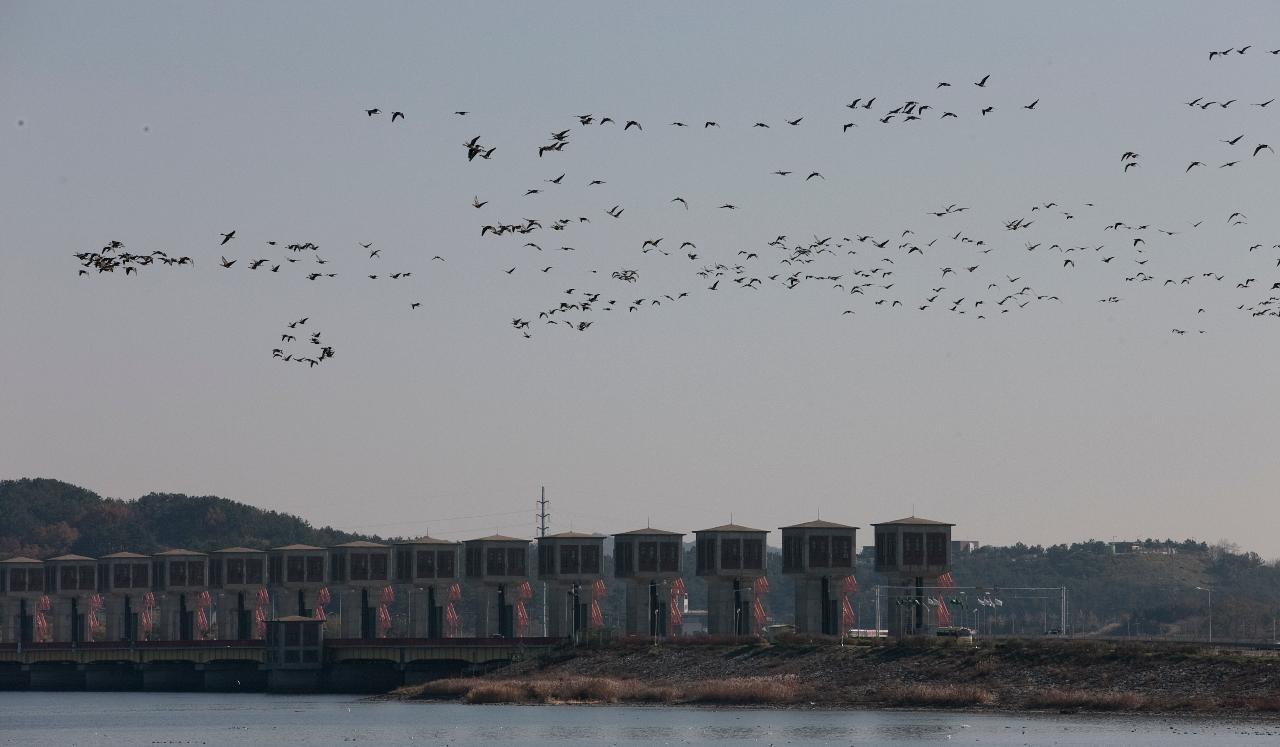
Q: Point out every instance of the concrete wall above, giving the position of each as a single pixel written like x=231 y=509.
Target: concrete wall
x=724 y=617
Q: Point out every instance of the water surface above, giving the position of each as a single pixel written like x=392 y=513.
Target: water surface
x=70 y=719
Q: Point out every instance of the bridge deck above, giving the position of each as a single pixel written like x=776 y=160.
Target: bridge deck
x=395 y=650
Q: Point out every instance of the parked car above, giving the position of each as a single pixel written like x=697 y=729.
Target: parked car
x=957 y=632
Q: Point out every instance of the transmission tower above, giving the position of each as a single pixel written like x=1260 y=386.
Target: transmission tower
x=542 y=515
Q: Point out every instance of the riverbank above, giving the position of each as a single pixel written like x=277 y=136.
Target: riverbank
x=801 y=672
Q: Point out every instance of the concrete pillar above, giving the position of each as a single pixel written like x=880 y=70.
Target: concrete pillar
x=493 y=610
x=234 y=615
x=729 y=606
x=426 y=610
x=568 y=608
x=904 y=607
x=359 y=618
x=119 y=615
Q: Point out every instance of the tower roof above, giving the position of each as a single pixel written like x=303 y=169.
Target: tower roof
x=820 y=524
x=427 y=540
x=649 y=531
x=731 y=528
x=916 y=520
x=573 y=535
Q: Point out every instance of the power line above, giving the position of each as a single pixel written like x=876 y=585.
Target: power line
x=477 y=530
x=434 y=521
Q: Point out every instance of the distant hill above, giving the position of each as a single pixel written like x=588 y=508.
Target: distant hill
x=42 y=518
x=1149 y=591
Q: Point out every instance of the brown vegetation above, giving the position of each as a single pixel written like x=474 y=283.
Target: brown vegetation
x=1060 y=675
x=1268 y=703
x=746 y=691
x=1088 y=700
x=934 y=696
x=497 y=692
x=579 y=689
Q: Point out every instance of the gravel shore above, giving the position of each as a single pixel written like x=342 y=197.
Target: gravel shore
x=1026 y=674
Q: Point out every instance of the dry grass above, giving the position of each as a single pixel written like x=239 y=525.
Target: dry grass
x=746 y=691
x=1187 y=703
x=1090 y=700
x=498 y=692
x=944 y=696
x=445 y=689
x=1268 y=703
x=579 y=689
x=583 y=689
x=636 y=691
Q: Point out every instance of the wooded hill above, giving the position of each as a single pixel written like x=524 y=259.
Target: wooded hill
x=42 y=518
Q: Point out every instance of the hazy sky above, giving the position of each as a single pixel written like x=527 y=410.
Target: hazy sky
x=163 y=125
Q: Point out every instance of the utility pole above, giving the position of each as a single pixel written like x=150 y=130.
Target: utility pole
x=1062 y=628
x=542 y=532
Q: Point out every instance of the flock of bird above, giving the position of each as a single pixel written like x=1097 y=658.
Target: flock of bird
x=112 y=257
x=317 y=354
x=932 y=266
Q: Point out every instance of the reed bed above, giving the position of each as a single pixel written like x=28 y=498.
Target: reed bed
x=746 y=691
x=1089 y=700
x=940 y=696
x=583 y=689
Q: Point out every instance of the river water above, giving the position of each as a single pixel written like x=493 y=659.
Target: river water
x=68 y=719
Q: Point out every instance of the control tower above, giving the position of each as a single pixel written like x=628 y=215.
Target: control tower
x=910 y=552
x=497 y=568
x=427 y=569
x=648 y=561
x=570 y=563
x=820 y=554
x=731 y=558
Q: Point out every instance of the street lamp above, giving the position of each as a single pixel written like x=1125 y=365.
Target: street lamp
x=1209 y=589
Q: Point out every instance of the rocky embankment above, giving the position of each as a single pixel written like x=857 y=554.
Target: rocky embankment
x=1028 y=674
